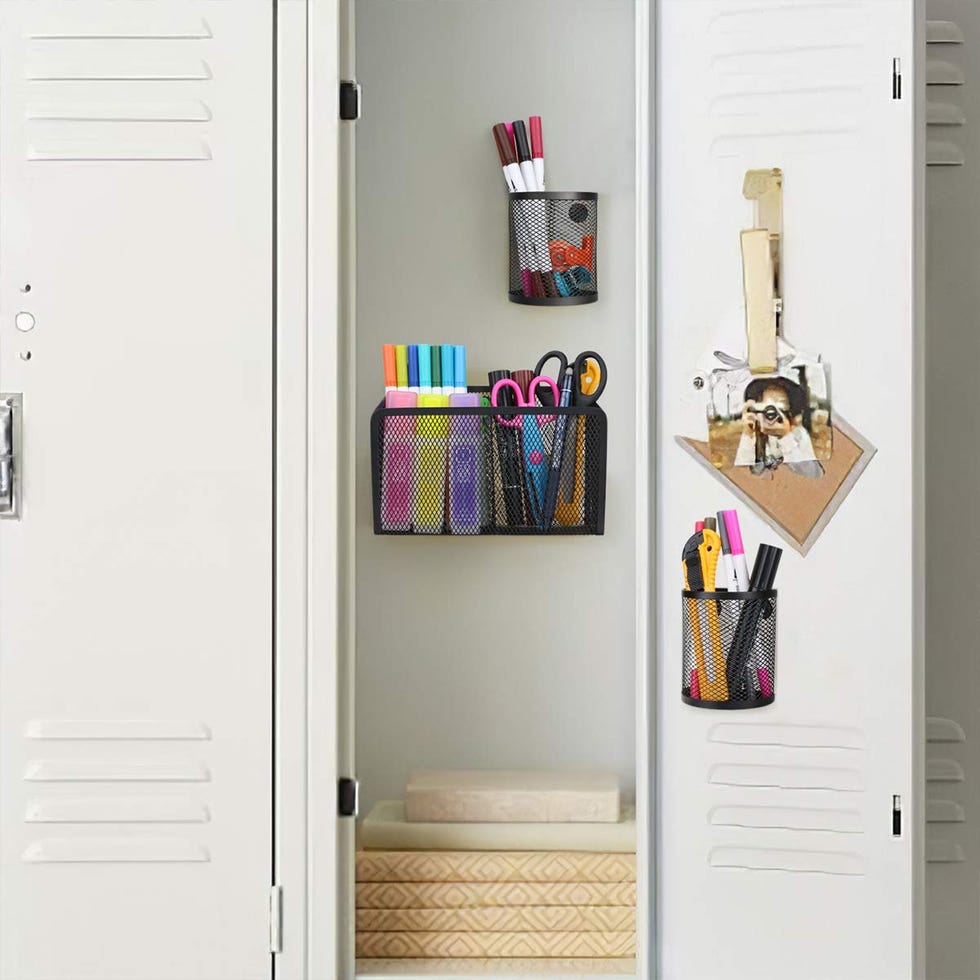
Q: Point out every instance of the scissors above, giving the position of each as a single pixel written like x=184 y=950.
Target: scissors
x=585 y=390
x=535 y=462
x=589 y=381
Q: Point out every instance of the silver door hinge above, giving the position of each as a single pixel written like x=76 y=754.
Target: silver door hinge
x=275 y=919
x=896 y=78
x=347 y=797
x=350 y=100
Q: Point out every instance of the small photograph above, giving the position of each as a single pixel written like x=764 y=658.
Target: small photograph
x=764 y=422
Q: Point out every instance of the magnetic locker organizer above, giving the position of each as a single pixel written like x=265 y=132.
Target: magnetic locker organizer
x=553 y=243
x=467 y=471
x=729 y=649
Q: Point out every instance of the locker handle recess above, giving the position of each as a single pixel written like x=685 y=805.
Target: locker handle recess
x=10 y=432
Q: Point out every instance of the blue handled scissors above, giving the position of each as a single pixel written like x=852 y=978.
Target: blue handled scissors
x=535 y=461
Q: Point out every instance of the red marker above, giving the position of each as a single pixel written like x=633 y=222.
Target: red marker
x=537 y=150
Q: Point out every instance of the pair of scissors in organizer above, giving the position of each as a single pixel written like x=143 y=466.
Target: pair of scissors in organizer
x=700 y=562
x=588 y=383
x=535 y=461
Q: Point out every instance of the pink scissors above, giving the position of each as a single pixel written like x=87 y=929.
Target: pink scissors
x=535 y=463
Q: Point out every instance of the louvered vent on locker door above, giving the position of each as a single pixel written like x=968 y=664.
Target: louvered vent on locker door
x=792 y=798
x=105 y=791
x=944 y=779
x=945 y=114
x=131 y=86
x=771 y=99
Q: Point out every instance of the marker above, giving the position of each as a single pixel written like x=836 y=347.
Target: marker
x=467 y=507
x=726 y=552
x=698 y=526
x=510 y=133
x=448 y=367
x=391 y=368
x=436 y=369
x=524 y=155
x=537 y=151
x=459 y=370
x=401 y=366
x=430 y=467
x=425 y=369
x=508 y=160
x=740 y=569
x=413 y=368
x=398 y=464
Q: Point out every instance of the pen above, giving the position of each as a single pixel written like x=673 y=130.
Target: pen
x=413 y=368
x=459 y=372
x=726 y=552
x=448 y=367
x=508 y=160
x=391 y=369
x=425 y=369
x=537 y=150
x=739 y=567
x=557 y=453
x=511 y=458
x=524 y=155
x=401 y=366
x=436 y=369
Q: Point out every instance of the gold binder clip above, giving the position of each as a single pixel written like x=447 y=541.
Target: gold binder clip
x=761 y=248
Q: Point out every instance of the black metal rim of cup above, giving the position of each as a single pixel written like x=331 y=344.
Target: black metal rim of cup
x=727 y=705
x=581 y=300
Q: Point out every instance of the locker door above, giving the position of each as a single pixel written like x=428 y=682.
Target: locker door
x=136 y=243
x=779 y=858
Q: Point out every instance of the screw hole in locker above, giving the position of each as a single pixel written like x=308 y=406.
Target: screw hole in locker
x=24 y=322
x=25 y=355
x=26 y=288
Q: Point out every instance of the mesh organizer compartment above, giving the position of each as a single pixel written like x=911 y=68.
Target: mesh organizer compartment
x=462 y=471
x=553 y=241
x=729 y=649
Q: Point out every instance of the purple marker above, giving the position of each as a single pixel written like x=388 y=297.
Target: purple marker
x=465 y=469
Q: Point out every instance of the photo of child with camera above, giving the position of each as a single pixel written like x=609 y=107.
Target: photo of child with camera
x=773 y=430
x=763 y=423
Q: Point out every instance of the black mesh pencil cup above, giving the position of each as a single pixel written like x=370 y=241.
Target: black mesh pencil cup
x=553 y=243
x=484 y=470
x=729 y=649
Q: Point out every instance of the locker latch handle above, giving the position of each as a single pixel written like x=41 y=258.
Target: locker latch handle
x=10 y=452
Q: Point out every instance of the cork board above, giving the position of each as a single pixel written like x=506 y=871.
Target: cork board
x=796 y=508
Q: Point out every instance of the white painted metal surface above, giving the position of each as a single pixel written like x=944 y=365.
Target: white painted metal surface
x=805 y=86
x=135 y=592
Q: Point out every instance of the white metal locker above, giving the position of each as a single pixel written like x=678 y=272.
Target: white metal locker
x=807 y=87
x=136 y=237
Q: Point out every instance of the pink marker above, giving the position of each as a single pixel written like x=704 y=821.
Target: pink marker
x=537 y=150
x=698 y=526
x=510 y=132
x=739 y=566
x=397 y=463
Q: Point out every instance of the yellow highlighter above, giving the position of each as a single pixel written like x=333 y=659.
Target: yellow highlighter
x=717 y=683
x=431 y=433
x=693 y=582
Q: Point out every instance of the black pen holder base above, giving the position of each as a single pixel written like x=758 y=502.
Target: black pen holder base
x=729 y=649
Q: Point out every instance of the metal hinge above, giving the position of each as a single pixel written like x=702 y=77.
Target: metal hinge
x=275 y=919
x=350 y=100
x=347 y=794
x=896 y=78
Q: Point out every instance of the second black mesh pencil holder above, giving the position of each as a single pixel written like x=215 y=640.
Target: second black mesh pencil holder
x=729 y=649
x=553 y=248
x=466 y=471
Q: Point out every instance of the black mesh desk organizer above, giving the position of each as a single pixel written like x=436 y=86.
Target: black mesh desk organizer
x=468 y=471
